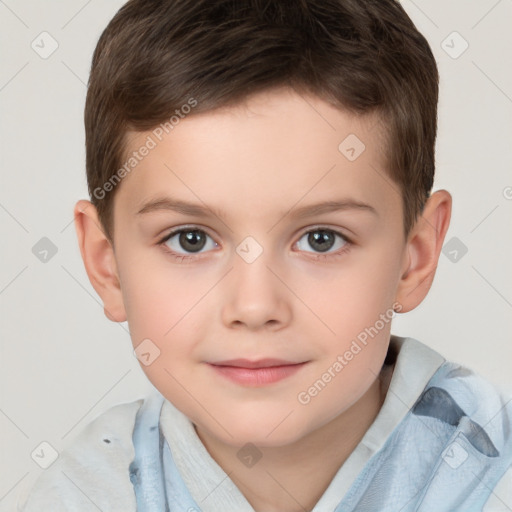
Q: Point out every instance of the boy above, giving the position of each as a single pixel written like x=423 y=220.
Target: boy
x=260 y=177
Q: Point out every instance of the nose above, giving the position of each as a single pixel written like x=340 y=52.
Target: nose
x=255 y=297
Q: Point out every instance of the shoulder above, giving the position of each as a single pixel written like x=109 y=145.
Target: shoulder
x=480 y=399
x=480 y=411
x=91 y=473
x=443 y=384
x=470 y=418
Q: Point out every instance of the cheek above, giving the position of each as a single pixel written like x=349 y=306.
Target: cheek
x=158 y=297
x=160 y=308
x=348 y=297
x=376 y=276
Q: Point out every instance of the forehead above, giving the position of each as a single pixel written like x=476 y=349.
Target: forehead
x=276 y=150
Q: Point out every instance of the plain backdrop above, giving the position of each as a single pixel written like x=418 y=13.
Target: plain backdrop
x=63 y=363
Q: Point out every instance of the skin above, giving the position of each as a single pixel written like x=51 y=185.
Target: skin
x=259 y=162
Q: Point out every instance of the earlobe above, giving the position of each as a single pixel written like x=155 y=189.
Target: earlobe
x=423 y=249
x=99 y=260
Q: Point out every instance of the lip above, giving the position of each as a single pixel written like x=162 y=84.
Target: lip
x=260 y=363
x=256 y=373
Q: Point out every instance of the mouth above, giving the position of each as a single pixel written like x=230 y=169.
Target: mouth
x=256 y=373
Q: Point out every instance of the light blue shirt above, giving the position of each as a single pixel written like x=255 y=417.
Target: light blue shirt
x=447 y=454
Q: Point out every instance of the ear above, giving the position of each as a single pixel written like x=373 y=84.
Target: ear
x=99 y=260
x=423 y=248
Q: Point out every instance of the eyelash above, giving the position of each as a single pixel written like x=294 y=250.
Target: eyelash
x=314 y=257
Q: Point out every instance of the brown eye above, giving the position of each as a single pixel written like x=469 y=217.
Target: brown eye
x=192 y=241
x=188 y=241
x=322 y=240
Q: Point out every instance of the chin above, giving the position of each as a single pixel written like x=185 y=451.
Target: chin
x=267 y=434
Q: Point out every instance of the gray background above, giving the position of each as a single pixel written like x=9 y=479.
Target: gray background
x=63 y=363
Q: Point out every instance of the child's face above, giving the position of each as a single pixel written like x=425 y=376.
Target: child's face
x=257 y=167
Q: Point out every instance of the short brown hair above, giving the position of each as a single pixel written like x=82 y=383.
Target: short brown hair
x=363 y=56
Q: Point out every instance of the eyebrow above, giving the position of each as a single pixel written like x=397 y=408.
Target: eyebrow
x=197 y=210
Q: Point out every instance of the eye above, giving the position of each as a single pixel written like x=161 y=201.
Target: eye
x=191 y=240
x=323 y=240
x=185 y=243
